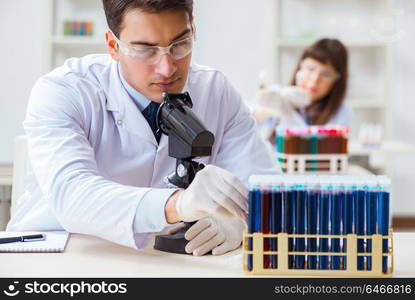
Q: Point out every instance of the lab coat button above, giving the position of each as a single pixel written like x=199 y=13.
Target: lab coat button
x=119 y=122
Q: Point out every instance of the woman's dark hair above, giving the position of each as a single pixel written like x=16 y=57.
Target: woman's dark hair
x=116 y=9
x=334 y=53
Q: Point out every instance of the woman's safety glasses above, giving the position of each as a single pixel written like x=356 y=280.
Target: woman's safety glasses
x=308 y=70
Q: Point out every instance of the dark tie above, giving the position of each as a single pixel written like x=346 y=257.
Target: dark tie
x=150 y=113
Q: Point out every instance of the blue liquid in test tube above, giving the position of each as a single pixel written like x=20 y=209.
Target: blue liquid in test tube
x=254 y=216
x=371 y=215
x=300 y=222
x=323 y=220
x=276 y=218
x=336 y=203
x=265 y=221
x=359 y=218
x=383 y=216
x=347 y=216
x=290 y=196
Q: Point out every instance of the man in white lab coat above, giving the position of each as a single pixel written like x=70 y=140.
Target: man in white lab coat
x=97 y=166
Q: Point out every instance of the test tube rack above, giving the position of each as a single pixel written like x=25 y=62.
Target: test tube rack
x=351 y=255
x=313 y=163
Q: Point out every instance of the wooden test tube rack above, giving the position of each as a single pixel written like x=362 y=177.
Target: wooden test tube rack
x=351 y=254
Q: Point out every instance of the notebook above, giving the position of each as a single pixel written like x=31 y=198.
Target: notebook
x=55 y=242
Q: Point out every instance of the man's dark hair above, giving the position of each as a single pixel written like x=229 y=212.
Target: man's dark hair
x=116 y=9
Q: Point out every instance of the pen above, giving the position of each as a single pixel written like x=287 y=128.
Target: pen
x=24 y=238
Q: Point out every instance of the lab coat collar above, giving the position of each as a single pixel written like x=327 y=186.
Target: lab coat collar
x=140 y=100
x=114 y=83
x=126 y=113
x=109 y=86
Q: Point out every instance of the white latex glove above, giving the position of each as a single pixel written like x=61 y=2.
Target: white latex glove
x=217 y=233
x=213 y=191
x=269 y=102
x=296 y=96
x=276 y=101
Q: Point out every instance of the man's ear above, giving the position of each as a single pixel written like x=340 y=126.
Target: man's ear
x=112 y=46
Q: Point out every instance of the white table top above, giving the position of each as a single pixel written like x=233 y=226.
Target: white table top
x=356 y=170
x=387 y=146
x=88 y=256
x=6 y=174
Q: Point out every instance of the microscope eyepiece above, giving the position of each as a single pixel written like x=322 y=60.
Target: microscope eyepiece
x=188 y=137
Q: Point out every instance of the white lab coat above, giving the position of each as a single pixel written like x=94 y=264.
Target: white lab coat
x=341 y=118
x=95 y=166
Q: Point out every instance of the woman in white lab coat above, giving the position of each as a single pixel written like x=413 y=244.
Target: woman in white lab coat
x=315 y=95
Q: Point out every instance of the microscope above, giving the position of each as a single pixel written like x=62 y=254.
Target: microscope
x=188 y=138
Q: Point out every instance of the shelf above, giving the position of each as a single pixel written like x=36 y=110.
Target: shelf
x=358 y=103
x=77 y=41
x=302 y=43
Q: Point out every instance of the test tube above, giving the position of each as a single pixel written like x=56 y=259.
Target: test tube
x=265 y=219
x=383 y=215
x=336 y=204
x=254 y=214
x=359 y=218
x=324 y=217
x=276 y=216
x=314 y=146
x=300 y=220
x=312 y=219
x=371 y=215
x=289 y=214
x=347 y=225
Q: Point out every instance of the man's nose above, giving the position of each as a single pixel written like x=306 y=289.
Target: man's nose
x=166 y=66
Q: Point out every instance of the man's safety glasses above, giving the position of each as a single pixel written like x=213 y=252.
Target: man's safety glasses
x=152 y=54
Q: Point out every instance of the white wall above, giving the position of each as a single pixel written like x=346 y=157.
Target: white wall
x=235 y=37
x=20 y=53
x=404 y=107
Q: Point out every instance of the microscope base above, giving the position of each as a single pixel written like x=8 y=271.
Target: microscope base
x=174 y=243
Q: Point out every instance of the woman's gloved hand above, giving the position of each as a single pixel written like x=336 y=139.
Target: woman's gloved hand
x=295 y=96
x=277 y=102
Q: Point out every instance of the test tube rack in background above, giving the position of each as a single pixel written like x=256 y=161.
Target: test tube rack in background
x=319 y=226
x=313 y=149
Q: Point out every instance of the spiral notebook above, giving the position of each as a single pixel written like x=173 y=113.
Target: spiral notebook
x=55 y=242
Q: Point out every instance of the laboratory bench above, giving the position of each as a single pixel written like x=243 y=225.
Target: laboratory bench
x=89 y=256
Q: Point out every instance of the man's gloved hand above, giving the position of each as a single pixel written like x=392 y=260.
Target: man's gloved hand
x=220 y=234
x=276 y=101
x=213 y=191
